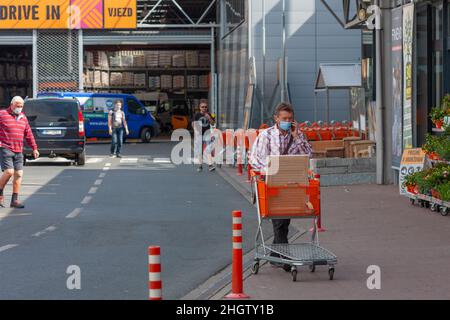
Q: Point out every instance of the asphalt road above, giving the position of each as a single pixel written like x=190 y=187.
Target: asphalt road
x=103 y=216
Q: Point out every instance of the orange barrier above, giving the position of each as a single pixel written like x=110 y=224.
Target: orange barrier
x=154 y=273
x=237 y=288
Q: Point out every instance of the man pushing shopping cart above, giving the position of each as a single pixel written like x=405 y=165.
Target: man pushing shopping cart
x=284 y=191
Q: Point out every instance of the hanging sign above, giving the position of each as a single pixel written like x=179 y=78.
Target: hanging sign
x=397 y=86
x=408 y=36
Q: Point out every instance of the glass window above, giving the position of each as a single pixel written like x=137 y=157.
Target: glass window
x=422 y=73
x=133 y=106
x=438 y=54
x=44 y=111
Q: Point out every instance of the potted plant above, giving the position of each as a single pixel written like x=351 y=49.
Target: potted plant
x=444 y=191
x=437 y=116
x=443 y=148
x=430 y=146
x=411 y=183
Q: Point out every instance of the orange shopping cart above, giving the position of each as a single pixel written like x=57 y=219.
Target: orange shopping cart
x=288 y=191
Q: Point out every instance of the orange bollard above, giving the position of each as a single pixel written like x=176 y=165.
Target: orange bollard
x=240 y=169
x=154 y=273
x=237 y=290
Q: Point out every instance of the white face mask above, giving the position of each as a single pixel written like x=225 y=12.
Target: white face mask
x=18 y=111
x=117 y=107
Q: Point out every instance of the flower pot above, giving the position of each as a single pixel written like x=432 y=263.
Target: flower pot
x=435 y=194
x=439 y=124
x=412 y=189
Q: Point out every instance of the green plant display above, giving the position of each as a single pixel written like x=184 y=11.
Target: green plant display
x=444 y=190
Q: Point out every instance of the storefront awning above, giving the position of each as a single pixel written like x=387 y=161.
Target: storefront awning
x=338 y=76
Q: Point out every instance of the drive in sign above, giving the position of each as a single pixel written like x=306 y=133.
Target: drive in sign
x=68 y=14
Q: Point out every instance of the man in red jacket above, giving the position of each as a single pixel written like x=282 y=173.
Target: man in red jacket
x=14 y=127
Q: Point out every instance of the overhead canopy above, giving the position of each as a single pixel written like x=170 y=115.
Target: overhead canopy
x=338 y=76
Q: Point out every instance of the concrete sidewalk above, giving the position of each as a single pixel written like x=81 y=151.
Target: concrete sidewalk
x=366 y=225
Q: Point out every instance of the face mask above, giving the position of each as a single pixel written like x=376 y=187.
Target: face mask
x=117 y=107
x=285 y=125
x=18 y=111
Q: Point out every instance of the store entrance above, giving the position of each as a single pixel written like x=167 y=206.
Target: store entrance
x=168 y=80
x=16 y=73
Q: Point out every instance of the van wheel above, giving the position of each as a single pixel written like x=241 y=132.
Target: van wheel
x=146 y=135
x=81 y=159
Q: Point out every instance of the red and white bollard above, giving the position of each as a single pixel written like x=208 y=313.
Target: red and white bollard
x=154 y=273
x=237 y=290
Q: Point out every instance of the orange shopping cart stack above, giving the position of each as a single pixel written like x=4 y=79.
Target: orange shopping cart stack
x=287 y=191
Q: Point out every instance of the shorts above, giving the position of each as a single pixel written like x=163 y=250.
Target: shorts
x=11 y=160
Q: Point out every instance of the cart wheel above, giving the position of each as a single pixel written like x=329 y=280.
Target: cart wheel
x=427 y=204
x=434 y=207
x=294 y=275
x=445 y=211
x=412 y=201
x=331 y=273
x=255 y=267
x=312 y=268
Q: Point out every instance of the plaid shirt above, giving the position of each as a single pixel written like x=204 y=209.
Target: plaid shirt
x=271 y=142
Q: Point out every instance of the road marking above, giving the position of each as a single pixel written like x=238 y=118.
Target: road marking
x=106 y=168
x=108 y=164
x=74 y=213
x=98 y=182
x=4 y=215
x=129 y=160
x=7 y=247
x=40 y=233
x=86 y=200
x=102 y=175
x=31 y=184
x=93 y=190
x=20 y=214
x=162 y=160
x=94 y=160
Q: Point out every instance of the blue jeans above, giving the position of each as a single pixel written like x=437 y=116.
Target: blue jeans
x=117 y=140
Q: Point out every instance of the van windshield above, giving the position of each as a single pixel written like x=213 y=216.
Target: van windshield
x=45 y=111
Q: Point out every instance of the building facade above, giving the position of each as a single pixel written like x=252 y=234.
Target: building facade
x=252 y=43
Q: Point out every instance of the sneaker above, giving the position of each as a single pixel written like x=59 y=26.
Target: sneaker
x=212 y=168
x=119 y=155
x=16 y=204
x=199 y=169
x=2 y=201
x=112 y=156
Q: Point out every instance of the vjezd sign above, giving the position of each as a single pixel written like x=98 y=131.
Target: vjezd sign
x=68 y=14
